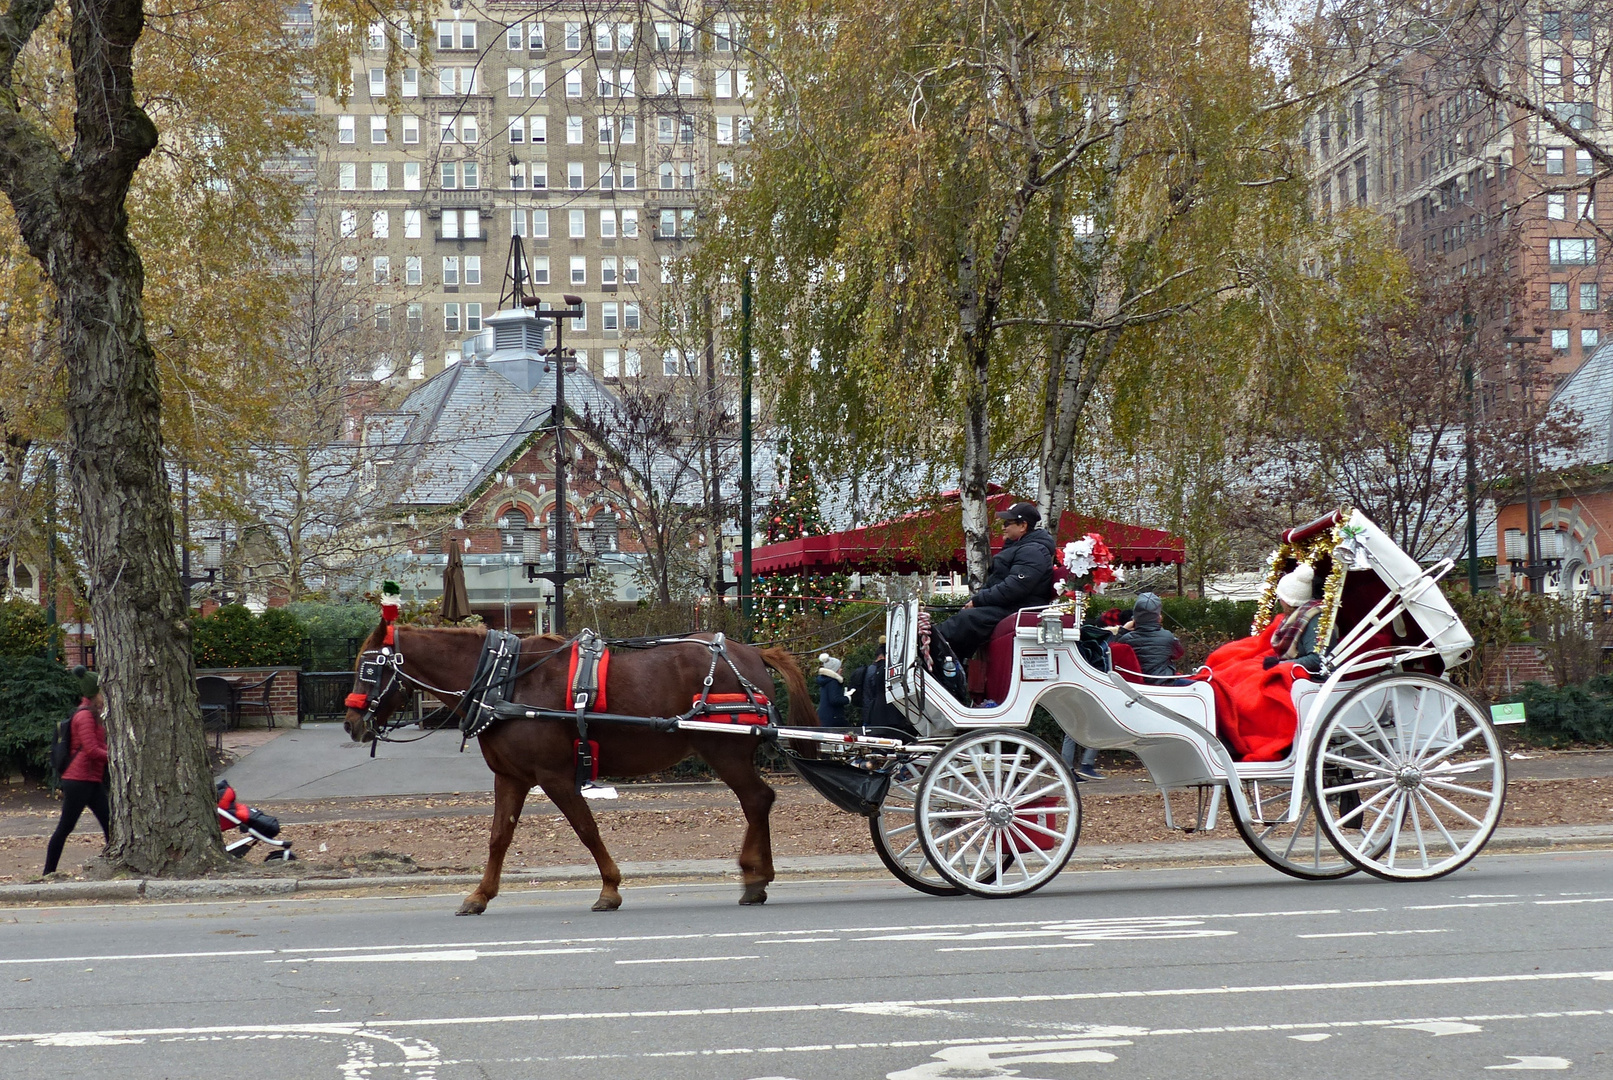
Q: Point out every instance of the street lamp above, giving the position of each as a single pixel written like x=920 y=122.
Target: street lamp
x=187 y=580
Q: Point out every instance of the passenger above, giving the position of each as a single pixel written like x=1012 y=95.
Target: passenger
x=1157 y=648
x=1295 y=639
x=831 y=692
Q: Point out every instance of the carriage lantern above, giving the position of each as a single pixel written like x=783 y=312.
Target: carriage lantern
x=1050 y=630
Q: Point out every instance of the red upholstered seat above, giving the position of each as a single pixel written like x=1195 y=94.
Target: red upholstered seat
x=1125 y=661
x=998 y=667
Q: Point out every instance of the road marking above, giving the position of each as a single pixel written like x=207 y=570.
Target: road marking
x=1550 y=903
x=1375 y=933
x=688 y=959
x=1012 y=948
x=1446 y=907
x=139 y=956
x=1000 y=999
x=1311 y=1036
x=795 y=941
x=434 y=956
x=1542 y=1063
x=1442 y=1027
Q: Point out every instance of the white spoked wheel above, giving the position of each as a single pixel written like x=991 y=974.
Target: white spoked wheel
x=998 y=813
x=1410 y=777
x=896 y=838
x=1298 y=849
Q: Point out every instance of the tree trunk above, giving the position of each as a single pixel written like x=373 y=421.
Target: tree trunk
x=976 y=334
x=71 y=214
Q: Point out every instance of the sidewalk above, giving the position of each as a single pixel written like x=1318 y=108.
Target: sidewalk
x=319 y=761
x=1088 y=858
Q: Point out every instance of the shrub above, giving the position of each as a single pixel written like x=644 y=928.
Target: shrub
x=234 y=637
x=330 y=628
x=1577 y=713
x=1228 y=619
x=24 y=630
x=36 y=694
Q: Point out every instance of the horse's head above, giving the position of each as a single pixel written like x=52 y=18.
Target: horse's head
x=377 y=690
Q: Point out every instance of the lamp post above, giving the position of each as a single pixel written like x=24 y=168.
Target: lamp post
x=745 y=535
x=187 y=580
x=560 y=358
x=1532 y=568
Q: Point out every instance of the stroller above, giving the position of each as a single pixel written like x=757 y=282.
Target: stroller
x=260 y=828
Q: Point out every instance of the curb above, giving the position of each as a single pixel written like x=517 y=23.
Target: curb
x=1098 y=857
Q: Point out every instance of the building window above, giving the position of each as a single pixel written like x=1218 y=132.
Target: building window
x=515 y=37
x=686 y=86
x=540 y=270
x=349 y=269
x=540 y=177
x=411 y=224
x=540 y=224
x=1571 y=251
x=607 y=83
x=1551 y=24
x=347 y=175
x=742 y=130
x=344 y=129
x=515 y=82
x=446 y=127
x=1551 y=71
x=467 y=131
x=630 y=224
x=670 y=365
x=411 y=82
x=610 y=367
x=411 y=129
x=666 y=175
x=512 y=529
x=411 y=271
x=472 y=227
x=381 y=269
x=1589 y=296
x=538 y=130
x=663 y=37
x=517 y=222
x=666 y=128
x=686 y=130
x=417 y=366
x=470 y=175
x=627 y=173
x=607 y=130
x=518 y=176
x=473 y=318
x=574 y=131
x=415 y=317
x=1584 y=208
x=1583 y=165
x=450 y=274
x=1556 y=205
x=574 y=36
x=686 y=174
x=450 y=318
x=630 y=270
x=624 y=82
x=607 y=270
x=725 y=171
x=607 y=177
x=574 y=83
x=581 y=322
x=579 y=226
x=1559 y=295
x=377 y=82
x=579 y=269
x=723 y=84
x=378 y=176
x=669 y=223
x=607 y=224
x=380 y=224
x=517 y=131
x=1554 y=161
x=631 y=319
x=725 y=130
x=1589 y=339
x=608 y=316
x=377 y=129
x=574 y=178
x=450 y=358
x=473 y=269
x=535 y=37
x=1559 y=341
x=347 y=225
x=450 y=176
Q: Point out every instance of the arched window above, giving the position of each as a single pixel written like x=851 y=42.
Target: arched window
x=606 y=528
x=513 y=527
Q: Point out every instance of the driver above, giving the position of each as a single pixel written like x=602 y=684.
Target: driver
x=1021 y=575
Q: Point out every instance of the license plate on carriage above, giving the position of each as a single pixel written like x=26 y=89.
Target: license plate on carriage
x=369 y=671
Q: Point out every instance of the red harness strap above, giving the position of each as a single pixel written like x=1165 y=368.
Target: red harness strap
x=733 y=708
x=357 y=701
x=603 y=670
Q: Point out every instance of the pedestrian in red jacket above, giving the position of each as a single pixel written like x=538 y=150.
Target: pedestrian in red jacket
x=84 y=779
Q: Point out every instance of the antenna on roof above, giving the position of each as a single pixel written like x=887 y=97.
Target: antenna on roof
x=513 y=293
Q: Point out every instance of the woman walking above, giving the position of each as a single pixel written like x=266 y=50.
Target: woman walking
x=84 y=779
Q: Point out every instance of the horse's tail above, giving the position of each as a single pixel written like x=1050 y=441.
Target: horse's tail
x=783 y=661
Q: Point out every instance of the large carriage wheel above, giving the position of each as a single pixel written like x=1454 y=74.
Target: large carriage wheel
x=1411 y=777
x=1298 y=849
x=896 y=839
x=998 y=813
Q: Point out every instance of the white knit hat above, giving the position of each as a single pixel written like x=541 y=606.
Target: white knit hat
x=1294 y=588
x=829 y=662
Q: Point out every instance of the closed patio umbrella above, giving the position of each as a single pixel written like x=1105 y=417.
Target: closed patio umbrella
x=455 y=601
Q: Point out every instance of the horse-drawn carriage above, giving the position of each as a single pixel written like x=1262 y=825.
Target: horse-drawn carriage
x=1391 y=769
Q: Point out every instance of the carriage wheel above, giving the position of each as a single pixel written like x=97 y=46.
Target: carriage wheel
x=1411 y=776
x=1299 y=849
x=998 y=813
x=896 y=840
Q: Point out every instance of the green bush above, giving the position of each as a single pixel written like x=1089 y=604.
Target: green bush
x=234 y=637
x=1577 y=713
x=24 y=630
x=328 y=629
x=36 y=694
x=1228 y=618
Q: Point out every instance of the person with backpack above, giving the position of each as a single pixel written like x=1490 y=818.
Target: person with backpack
x=84 y=777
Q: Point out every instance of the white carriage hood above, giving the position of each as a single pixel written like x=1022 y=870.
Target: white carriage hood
x=1423 y=598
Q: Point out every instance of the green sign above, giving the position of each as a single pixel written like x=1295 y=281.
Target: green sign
x=1510 y=713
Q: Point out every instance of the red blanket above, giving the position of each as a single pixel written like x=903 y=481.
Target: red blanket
x=1254 y=706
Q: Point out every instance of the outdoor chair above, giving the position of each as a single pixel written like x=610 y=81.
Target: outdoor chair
x=217 y=696
x=256 y=696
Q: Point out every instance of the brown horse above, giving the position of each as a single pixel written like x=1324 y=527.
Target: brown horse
x=657 y=681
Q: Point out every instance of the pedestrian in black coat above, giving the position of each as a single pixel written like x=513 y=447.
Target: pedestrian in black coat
x=1021 y=576
x=869 y=685
x=831 y=692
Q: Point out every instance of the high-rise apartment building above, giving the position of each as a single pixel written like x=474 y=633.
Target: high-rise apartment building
x=1476 y=186
x=590 y=132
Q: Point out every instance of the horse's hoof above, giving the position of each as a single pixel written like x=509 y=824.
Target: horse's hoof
x=607 y=903
x=472 y=907
x=754 y=894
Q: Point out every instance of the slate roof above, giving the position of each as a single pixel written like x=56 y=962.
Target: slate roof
x=1589 y=392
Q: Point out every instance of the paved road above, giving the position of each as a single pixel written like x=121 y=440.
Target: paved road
x=1202 y=973
x=319 y=761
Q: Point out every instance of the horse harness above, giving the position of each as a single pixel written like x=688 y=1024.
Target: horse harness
x=488 y=698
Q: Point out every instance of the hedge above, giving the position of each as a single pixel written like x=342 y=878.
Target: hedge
x=36 y=694
x=234 y=637
x=24 y=630
x=1577 y=713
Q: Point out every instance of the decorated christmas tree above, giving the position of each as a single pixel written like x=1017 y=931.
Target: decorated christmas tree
x=782 y=599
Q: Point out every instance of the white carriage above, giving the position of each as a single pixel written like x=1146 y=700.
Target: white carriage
x=1392 y=769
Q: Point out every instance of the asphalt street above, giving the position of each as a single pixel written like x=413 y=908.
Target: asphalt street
x=1504 y=966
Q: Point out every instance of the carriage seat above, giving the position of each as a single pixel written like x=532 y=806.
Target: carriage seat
x=991 y=674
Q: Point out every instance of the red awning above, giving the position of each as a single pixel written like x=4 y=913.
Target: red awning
x=932 y=540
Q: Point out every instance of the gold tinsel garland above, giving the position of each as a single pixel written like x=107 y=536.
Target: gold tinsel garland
x=1309 y=554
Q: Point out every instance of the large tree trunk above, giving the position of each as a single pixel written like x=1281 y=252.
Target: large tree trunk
x=976 y=335
x=71 y=215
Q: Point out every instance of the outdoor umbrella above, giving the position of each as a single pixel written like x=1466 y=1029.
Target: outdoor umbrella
x=455 y=602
